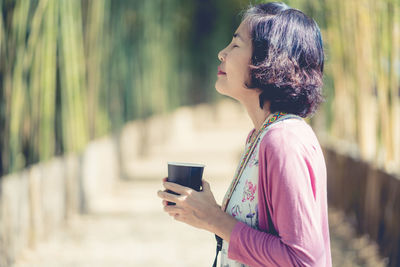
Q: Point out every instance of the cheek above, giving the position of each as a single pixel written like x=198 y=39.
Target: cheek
x=240 y=69
x=240 y=75
x=247 y=76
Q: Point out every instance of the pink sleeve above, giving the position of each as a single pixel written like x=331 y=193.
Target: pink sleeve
x=293 y=206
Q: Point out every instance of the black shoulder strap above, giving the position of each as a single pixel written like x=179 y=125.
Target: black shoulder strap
x=219 y=247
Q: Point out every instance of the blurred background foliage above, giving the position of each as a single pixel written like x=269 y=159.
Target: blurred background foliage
x=72 y=71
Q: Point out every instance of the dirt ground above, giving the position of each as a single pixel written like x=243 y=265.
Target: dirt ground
x=131 y=230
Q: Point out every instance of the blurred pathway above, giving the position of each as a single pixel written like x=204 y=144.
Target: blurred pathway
x=132 y=230
x=129 y=228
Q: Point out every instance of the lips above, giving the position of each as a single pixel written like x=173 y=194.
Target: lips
x=220 y=72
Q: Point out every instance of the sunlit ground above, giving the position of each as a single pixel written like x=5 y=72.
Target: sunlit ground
x=132 y=230
x=129 y=228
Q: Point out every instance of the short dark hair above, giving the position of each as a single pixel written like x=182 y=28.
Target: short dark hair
x=288 y=58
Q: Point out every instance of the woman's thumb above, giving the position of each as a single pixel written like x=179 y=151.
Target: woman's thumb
x=206 y=186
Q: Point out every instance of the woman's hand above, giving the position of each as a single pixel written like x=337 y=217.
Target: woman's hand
x=198 y=209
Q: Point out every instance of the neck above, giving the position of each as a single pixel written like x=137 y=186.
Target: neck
x=256 y=114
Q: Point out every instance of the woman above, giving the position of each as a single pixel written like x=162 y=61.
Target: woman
x=275 y=211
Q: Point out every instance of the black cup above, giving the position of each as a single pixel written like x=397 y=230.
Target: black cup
x=186 y=174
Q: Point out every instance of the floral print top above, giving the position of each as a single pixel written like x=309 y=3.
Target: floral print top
x=243 y=203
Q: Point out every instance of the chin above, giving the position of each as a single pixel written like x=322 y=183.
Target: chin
x=219 y=88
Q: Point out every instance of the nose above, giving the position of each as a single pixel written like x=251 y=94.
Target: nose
x=221 y=55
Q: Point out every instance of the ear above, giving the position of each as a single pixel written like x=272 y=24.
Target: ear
x=267 y=105
x=258 y=90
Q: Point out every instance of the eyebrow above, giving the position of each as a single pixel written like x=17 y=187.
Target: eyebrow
x=237 y=35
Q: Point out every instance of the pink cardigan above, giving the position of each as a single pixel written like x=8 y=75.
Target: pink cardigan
x=292 y=185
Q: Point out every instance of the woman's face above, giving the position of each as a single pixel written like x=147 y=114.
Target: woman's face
x=233 y=71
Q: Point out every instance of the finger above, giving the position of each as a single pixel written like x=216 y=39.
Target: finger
x=165 y=203
x=172 y=214
x=165 y=179
x=177 y=188
x=206 y=186
x=167 y=196
x=172 y=209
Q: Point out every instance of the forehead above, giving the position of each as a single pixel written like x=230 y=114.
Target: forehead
x=243 y=30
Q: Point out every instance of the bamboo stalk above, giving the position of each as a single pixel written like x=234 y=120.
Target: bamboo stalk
x=395 y=85
x=93 y=55
x=46 y=146
x=18 y=101
x=365 y=86
x=381 y=60
x=72 y=77
x=343 y=125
